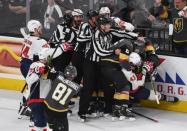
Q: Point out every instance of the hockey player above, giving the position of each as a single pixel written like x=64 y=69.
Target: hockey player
x=36 y=97
x=32 y=46
x=109 y=59
x=116 y=22
x=100 y=43
x=57 y=100
x=37 y=87
x=149 y=63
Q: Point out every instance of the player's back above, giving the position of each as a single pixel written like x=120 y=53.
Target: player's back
x=36 y=45
x=62 y=90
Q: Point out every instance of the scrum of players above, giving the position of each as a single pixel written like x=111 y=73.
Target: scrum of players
x=101 y=60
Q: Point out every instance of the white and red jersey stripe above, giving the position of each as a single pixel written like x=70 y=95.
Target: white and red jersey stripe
x=32 y=46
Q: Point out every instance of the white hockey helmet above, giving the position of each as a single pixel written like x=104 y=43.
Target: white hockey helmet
x=104 y=10
x=77 y=12
x=32 y=25
x=44 y=54
x=135 y=59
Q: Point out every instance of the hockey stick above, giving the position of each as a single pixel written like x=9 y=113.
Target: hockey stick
x=24 y=87
x=152 y=119
x=154 y=86
x=24 y=33
x=24 y=105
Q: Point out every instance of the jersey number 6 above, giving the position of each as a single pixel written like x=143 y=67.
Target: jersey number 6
x=61 y=93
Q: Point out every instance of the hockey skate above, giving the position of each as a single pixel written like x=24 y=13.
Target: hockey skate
x=69 y=113
x=82 y=117
x=23 y=112
x=93 y=110
x=126 y=112
x=71 y=104
x=101 y=108
x=116 y=114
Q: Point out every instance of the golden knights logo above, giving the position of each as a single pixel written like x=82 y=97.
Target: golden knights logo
x=178 y=24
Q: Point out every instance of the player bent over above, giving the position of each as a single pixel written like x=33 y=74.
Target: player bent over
x=136 y=74
x=57 y=100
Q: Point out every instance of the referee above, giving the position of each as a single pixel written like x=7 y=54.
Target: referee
x=66 y=37
x=101 y=41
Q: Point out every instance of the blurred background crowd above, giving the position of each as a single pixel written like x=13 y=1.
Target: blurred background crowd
x=150 y=17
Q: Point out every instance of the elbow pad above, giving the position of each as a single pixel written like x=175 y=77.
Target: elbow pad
x=129 y=26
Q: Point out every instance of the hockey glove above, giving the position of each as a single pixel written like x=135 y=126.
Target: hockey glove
x=148 y=66
x=66 y=46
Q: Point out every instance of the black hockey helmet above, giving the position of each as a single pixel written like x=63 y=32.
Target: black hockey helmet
x=103 y=20
x=70 y=72
x=67 y=19
x=92 y=13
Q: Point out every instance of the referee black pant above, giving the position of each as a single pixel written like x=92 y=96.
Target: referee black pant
x=91 y=81
x=62 y=61
x=78 y=61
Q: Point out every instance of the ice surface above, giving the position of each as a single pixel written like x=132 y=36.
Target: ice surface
x=168 y=121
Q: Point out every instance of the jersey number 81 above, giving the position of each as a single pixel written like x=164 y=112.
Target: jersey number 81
x=61 y=93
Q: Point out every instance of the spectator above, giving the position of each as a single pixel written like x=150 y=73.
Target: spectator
x=3 y=14
x=17 y=15
x=178 y=27
x=37 y=9
x=160 y=13
x=52 y=17
x=141 y=11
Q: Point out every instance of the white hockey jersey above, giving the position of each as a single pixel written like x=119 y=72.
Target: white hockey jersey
x=32 y=78
x=32 y=46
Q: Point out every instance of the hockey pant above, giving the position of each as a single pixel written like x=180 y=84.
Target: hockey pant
x=24 y=68
x=25 y=65
x=62 y=61
x=141 y=94
x=91 y=78
x=120 y=83
x=38 y=115
x=57 y=120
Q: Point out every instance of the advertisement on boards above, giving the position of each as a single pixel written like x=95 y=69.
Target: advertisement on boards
x=171 y=77
x=10 y=75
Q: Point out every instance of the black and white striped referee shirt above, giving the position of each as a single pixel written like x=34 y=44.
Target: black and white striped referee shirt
x=63 y=34
x=101 y=42
x=84 y=37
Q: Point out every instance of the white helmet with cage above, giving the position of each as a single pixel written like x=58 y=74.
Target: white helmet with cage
x=104 y=10
x=135 y=59
x=77 y=12
x=33 y=24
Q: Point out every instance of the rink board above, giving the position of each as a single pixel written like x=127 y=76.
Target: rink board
x=11 y=84
x=170 y=80
x=10 y=75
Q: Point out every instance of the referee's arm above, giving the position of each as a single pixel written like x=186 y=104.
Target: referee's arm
x=124 y=34
x=84 y=33
x=97 y=46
